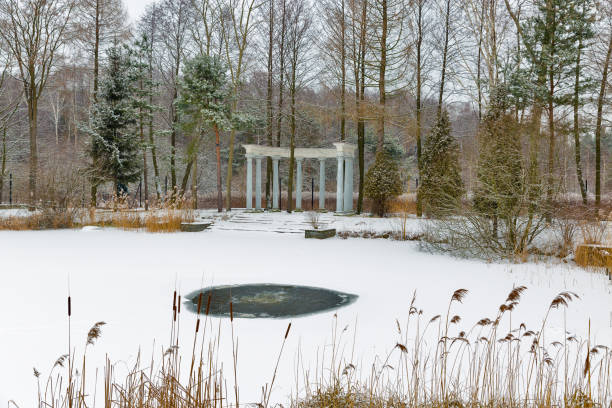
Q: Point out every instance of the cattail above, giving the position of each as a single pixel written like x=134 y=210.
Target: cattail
x=179 y=304
x=174 y=301
x=287 y=332
x=198 y=325
x=208 y=304
x=231 y=312
x=199 y=302
x=69 y=307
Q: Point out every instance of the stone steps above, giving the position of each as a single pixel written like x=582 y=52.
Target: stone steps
x=273 y=222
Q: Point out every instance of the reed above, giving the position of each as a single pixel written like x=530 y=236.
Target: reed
x=438 y=361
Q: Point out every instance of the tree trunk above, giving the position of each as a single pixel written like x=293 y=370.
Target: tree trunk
x=218 y=151
x=230 y=160
x=269 y=96
x=478 y=62
x=419 y=44
x=33 y=119
x=444 y=58
x=96 y=52
x=382 y=95
x=343 y=79
x=292 y=141
x=577 y=126
x=598 y=127
x=551 y=121
x=174 y=118
x=145 y=170
x=3 y=162
x=361 y=107
x=194 y=177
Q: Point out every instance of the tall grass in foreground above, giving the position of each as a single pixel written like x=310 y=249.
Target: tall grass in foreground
x=433 y=362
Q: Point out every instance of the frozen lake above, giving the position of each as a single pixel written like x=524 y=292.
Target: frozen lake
x=127 y=279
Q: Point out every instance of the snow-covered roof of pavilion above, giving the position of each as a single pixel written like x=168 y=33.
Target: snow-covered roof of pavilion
x=341 y=149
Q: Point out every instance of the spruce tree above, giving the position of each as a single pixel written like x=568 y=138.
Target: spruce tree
x=441 y=188
x=114 y=149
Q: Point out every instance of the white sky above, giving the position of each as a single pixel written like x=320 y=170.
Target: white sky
x=135 y=7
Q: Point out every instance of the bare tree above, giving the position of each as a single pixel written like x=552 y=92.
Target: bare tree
x=388 y=53
x=298 y=41
x=9 y=102
x=149 y=28
x=358 y=48
x=34 y=32
x=237 y=34
x=174 y=35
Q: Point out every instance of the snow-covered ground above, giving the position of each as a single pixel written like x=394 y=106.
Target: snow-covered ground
x=14 y=212
x=127 y=278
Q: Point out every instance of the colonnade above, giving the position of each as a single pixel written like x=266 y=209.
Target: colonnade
x=344 y=154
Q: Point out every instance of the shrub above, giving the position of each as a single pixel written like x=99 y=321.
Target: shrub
x=382 y=183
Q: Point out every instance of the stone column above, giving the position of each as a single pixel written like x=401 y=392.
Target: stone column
x=258 y=183
x=275 y=192
x=321 y=184
x=249 y=186
x=339 y=185
x=348 y=184
x=298 y=185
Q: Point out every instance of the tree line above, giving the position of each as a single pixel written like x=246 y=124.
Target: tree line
x=166 y=101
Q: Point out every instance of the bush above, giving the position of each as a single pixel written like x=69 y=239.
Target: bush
x=382 y=183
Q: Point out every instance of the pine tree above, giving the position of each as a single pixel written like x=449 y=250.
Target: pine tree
x=500 y=173
x=204 y=104
x=441 y=187
x=143 y=93
x=115 y=149
x=382 y=182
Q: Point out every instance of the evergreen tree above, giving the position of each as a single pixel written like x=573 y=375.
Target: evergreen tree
x=143 y=93
x=204 y=104
x=115 y=149
x=500 y=172
x=441 y=188
x=382 y=182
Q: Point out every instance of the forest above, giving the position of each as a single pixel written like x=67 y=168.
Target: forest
x=81 y=84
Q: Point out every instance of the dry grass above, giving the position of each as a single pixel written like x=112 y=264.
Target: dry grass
x=437 y=361
x=46 y=218
x=166 y=218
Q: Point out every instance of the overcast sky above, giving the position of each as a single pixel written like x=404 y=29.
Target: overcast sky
x=136 y=7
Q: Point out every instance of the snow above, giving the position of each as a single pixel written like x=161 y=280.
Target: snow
x=14 y=212
x=127 y=278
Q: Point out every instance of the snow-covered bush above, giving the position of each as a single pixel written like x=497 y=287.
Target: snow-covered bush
x=382 y=183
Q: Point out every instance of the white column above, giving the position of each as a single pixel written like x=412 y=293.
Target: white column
x=258 y=183
x=348 y=184
x=298 y=186
x=275 y=192
x=249 y=186
x=321 y=184
x=339 y=185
